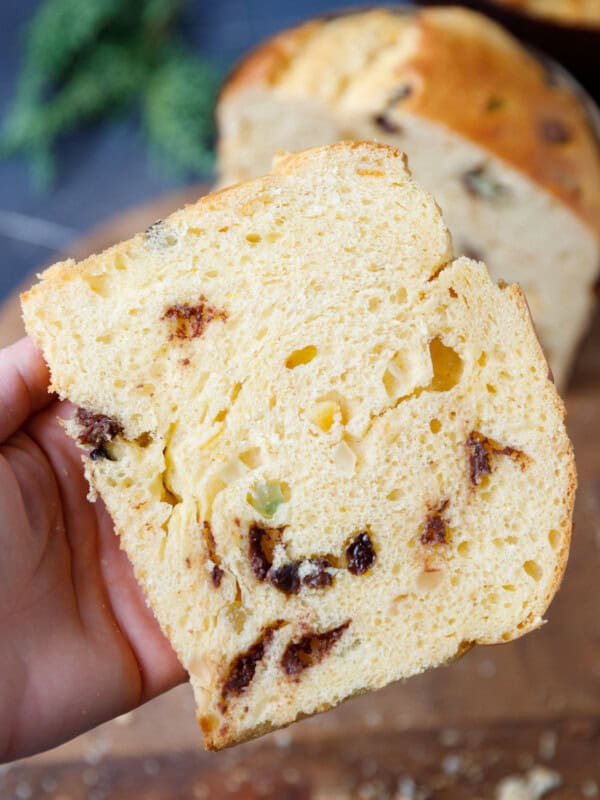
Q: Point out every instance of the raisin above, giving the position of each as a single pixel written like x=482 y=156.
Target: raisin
x=555 y=131
x=151 y=230
x=402 y=93
x=495 y=103
x=191 y=321
x=96 y=431
x=435 y=527
x=360 y=554
x=258 y=560
x=286 y=578
x=217 y=576
x=385 y=123
x=100 y=453
x=318 y=577
x=310 y=649
x=479 y=461
x=481 y=449
x=211 y=547
x=479 y=183
x=243 y=669
x=261 y=542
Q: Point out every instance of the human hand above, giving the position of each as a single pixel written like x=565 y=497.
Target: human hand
x=78 y=645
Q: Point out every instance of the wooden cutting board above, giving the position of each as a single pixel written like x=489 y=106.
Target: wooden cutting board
x=511 y=697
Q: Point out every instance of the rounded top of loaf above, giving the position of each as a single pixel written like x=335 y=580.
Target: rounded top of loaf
x=453 y=67
x=576 y=12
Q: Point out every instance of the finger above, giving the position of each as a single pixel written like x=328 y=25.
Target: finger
x=159 y=667
x=24 y=380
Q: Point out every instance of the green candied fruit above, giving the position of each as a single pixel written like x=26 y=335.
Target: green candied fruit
x=266 y=498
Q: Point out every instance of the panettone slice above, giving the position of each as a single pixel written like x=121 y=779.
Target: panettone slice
x=332 y=454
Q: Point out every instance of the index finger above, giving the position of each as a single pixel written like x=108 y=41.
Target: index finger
x=24 y=380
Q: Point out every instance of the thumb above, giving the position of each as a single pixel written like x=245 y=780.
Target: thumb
x=24 y=380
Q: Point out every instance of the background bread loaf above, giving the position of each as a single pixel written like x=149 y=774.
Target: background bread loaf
x=332 y=453
x=503 y=143
x=575 y=12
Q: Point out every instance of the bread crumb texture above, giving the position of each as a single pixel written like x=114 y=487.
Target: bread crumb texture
x=502 y=139
x=332 y=453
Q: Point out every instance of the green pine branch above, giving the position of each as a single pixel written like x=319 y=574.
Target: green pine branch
x=86 y=60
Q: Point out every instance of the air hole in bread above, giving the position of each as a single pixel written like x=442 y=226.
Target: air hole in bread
x=253 y=238
x=435 y=426
x=533 y=569
x=429 y=580
x=400 y=297
x=406 y=373
x=301 y=357
x=463 y=548
x=99 y=284
x=447 y=366
x=237 y=388
x=106 y=338
x=252 y=457
x=508 y=587
x=167 y=496
x=374 y=303
x=394 y=495
x=555 y=539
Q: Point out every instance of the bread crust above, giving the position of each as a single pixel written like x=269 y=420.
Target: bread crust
x=469 y=75
x=577 y=12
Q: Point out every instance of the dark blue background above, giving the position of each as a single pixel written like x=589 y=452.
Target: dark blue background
x=106 y=168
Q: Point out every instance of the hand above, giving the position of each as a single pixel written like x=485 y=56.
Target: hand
x=78 y=644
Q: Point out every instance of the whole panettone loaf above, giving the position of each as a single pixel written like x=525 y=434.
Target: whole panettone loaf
x=504 y=144
x=332 y=453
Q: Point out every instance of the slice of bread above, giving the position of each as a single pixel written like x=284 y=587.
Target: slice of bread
x=504 y=144
x=332 y=454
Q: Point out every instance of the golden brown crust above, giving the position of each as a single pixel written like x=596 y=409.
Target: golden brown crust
x=510 y=107
x=263 y=64
x=577 y=12
x=470 y=76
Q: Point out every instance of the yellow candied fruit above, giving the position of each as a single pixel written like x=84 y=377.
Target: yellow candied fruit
x=325 y=414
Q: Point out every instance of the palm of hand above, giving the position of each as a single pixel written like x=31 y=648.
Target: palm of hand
x=79 y=645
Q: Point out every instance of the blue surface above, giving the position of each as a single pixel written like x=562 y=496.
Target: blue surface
x=106 y=168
